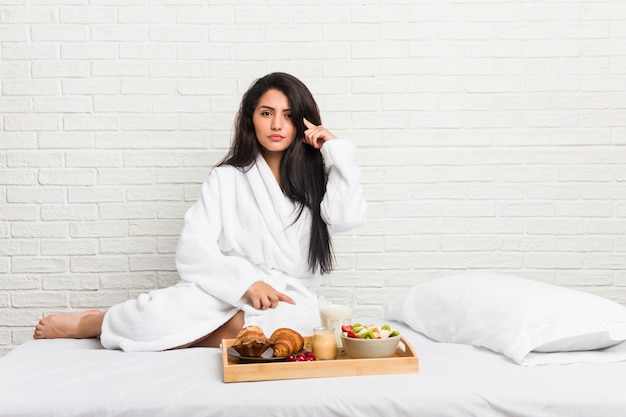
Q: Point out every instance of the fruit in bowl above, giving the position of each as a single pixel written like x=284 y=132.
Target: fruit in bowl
x=361 y=341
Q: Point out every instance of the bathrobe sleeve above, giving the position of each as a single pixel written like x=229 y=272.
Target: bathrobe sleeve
x=198 y=256
x=343 y=207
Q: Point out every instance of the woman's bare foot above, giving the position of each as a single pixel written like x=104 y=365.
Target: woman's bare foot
x=81 y=325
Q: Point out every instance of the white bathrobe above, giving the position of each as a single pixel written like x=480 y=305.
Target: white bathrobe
x=241 y=230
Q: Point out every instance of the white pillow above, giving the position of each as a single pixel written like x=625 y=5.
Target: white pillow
x=510 y=315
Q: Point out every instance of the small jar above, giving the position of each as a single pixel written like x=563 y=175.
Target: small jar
x=324 y=344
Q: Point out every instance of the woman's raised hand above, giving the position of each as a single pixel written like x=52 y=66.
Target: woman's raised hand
x=316 y=136
x=263 y=296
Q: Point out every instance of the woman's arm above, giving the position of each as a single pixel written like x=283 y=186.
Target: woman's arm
x=198 y=256
x=200 y=259
x=343 y=207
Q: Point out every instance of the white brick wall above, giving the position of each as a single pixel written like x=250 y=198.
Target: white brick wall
x=491 y=136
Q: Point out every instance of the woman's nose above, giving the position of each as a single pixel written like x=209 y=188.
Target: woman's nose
x=276 y=123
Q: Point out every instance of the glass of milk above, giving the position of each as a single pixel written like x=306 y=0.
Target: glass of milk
x=336 y=311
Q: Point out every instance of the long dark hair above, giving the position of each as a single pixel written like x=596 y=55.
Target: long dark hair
x=301 y=168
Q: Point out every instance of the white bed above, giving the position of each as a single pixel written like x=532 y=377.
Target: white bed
x=68 y=378
x=521 y=348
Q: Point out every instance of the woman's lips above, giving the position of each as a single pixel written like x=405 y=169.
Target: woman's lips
x=276 y=138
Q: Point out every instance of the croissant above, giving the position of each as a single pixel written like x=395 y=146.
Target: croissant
x=251 y=341
x=286 y=342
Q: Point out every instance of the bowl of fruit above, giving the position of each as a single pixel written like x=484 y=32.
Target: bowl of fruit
x=369 y=341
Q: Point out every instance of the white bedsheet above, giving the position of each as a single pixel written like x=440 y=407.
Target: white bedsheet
x=68 y=378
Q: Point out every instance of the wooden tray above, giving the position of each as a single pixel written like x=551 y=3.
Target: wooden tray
x=404 y=361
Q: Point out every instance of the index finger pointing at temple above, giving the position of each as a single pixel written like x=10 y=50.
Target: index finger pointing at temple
x=307 y=123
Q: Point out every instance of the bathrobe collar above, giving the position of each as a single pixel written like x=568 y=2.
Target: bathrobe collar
x=278 y=210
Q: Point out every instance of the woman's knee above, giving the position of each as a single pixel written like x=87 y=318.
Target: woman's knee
x=228 y=330
x=236 y=322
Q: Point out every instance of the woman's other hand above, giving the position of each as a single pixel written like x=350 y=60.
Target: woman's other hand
x=263 y=296
x=316 y=136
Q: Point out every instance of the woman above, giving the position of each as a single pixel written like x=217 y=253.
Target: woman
x=255 y=244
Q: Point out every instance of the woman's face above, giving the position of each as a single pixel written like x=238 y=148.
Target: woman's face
x=274 y=128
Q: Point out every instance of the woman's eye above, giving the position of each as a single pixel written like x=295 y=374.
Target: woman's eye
x=287 y=116
x=265 y=113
